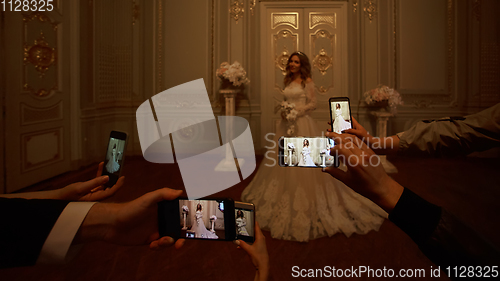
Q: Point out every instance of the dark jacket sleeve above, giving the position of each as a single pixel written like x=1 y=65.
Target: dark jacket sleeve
x=450 y=137
x=443 y=238
x=24 y=226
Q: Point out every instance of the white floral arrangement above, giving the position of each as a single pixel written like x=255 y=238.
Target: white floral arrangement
x=383 y=94
x=291 y=146
x=234 y=73
x=185 y=209
x=288 y=111
x=323 y=152
x=213 y=217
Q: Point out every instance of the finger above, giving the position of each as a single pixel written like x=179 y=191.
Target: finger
x=88 y=186
x=330 y=123
x=100 y=193
x=355 y=123
x=166 y=241
x=179 y=243
x=162 y=194
x=242 y=244
x=337 y=173
x=99 y=169
x=258 y=232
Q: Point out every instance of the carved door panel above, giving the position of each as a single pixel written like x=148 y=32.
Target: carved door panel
x=37 y=102
x=318 y=30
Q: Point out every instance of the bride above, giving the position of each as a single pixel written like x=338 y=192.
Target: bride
x=303 y=203
x=306 y=159
x=199 y=226
x=339 y=124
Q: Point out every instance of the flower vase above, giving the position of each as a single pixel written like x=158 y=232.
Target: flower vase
x=380 y=106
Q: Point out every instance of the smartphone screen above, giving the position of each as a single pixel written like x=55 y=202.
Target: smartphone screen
x=308 y=152
x=113 y=162
x=340 y=114
x=245 y=221
x=197 y=219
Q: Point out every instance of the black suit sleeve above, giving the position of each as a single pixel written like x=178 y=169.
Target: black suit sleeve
x=443 y=238
x=24 y=226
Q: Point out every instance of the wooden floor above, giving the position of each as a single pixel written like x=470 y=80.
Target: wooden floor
x=469 y=188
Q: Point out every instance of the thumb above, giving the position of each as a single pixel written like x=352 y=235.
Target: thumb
x=163 y=194
x=244 y=245
x=336 y=173
x=87 y=186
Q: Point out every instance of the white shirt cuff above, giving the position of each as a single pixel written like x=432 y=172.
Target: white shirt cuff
x=57 y=244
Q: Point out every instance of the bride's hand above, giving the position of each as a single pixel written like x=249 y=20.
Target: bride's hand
x=365 y=173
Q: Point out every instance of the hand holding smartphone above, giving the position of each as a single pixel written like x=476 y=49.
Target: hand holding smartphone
x=115 y=157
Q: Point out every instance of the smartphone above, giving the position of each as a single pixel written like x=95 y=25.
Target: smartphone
x=115 y=157
x=340 y=114
x=245 y=221
x=207 y=219
x=306 y=152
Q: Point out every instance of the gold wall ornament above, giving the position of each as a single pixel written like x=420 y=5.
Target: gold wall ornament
x=40 y=55
x=322 y=90
x=236 y=10
x=354 y=7
x=322 y=61
x=135 y=12
x=41 y=17
x=476 y=9
x=290 y=19
x=252 y=6
x=282 y=60
x=370 y=9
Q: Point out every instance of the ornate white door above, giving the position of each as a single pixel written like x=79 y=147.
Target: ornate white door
x=37 y=99
x=320 y=31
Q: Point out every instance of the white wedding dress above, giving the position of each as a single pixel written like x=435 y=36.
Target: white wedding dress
x=240 y=224
x=304 y=203
x=199 y=228
x=306 y=159
x=339 y=124
x=112 y=165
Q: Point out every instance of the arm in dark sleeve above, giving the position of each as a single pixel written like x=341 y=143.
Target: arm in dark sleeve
x=443 y=238
x=453 y=136
x=24 y=226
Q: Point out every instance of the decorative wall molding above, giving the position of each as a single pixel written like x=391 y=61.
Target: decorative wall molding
x=288 y=18
x=33 y=157
x=316 y=19
x=41 y=53
x=236 y=10
x=370 y=9
x=33 y=115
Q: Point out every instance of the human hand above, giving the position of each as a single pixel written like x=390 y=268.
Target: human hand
x=359 y=131
x=258 y=253
x=92 y=190
x=132 y=223
x=365 y=173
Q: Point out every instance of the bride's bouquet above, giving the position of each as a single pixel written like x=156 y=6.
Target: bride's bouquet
x=232 y=74
x=383 y=96
x=288 y=111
